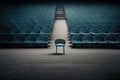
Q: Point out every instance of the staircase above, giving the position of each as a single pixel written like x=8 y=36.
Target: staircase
x=59 y=13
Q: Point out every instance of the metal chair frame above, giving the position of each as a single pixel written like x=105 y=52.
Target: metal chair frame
x=62 y=42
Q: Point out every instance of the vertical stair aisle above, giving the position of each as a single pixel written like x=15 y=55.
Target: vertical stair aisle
x=60 y=29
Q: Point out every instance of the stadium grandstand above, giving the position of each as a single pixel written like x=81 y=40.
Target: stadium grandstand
x=29 y=30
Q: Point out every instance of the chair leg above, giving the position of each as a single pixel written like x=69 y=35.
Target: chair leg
x=63 y=50
x=56 y=50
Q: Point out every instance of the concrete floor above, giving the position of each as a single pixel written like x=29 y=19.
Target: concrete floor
x=44 y=64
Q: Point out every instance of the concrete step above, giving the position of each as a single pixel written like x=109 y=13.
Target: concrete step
x=60 y=18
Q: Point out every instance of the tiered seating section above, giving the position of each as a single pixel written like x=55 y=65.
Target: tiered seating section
x=26 y=25
x=93 y=25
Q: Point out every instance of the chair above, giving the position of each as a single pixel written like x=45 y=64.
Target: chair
x=88 y=40
x=104 y=30
x=99 y=39
x=115 y=30
x=74 y=30
x=15 y=30
x=111 y=40
x=60 y=43
x=35 y=30
x=76 y=40
x=45 y=30
x=30 y=39
x=84 y=30
x=42 y=40
x=118 y=40
x=25 y=30
x=93 y=31
x=19 y=39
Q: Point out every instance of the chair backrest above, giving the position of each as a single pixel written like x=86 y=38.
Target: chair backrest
x=109 y=37
x=99 y=37
x=42 y=37
x=88 y=37
x=62 y=41
x=76 y=37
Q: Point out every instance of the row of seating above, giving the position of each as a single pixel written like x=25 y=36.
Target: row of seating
x=39 y=39
x=96 y=40
x=93 y=25
x=83 y=30
x=26 y=24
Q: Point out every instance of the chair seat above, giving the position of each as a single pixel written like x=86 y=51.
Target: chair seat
x=60 y=45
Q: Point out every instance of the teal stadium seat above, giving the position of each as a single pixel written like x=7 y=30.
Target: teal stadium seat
x=42 y=40
x=99 y=40
x=19 y=39
x=30 y=39
x=111 y=40
x=89 y=41
x=77 y=41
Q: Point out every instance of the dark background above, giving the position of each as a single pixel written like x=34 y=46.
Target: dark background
x=36 y=1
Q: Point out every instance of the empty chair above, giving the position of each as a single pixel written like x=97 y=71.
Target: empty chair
x=114 y=30
x=84 y=30
x=111 y=40
x=74 y=30
x=93 y=31
x=42 y=40
x=35 y=30
x=15 y=30
x=99 y=39
x=27 y=24
x=19 y=39
x=104 y=30
x=118 y=41
x=88 y=39
x=25 y=30
x=30 y=39
x=8 y=22
x=76 y=40
x=45 y=31
x=60 y=43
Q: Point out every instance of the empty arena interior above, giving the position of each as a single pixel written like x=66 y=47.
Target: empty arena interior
x=29 y=28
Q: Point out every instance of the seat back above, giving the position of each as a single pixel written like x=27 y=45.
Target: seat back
x=99 y=37
x=60 y=41
x=76 y=37
x=88 y=38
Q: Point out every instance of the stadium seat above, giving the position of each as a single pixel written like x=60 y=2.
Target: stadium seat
x=93 y=31
x=25 y=30
x=118 y=41
x=83 y=30
x=35 y=30
x=88 y=39
x=45 y=31
x=111 y=40
x=30 y=39
x=74 y=30
x=15 y=30
x=76 y=40
x=114 y=30
x=19 y=39
x=42 y=40
x=104 y=30
x=99 y=40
